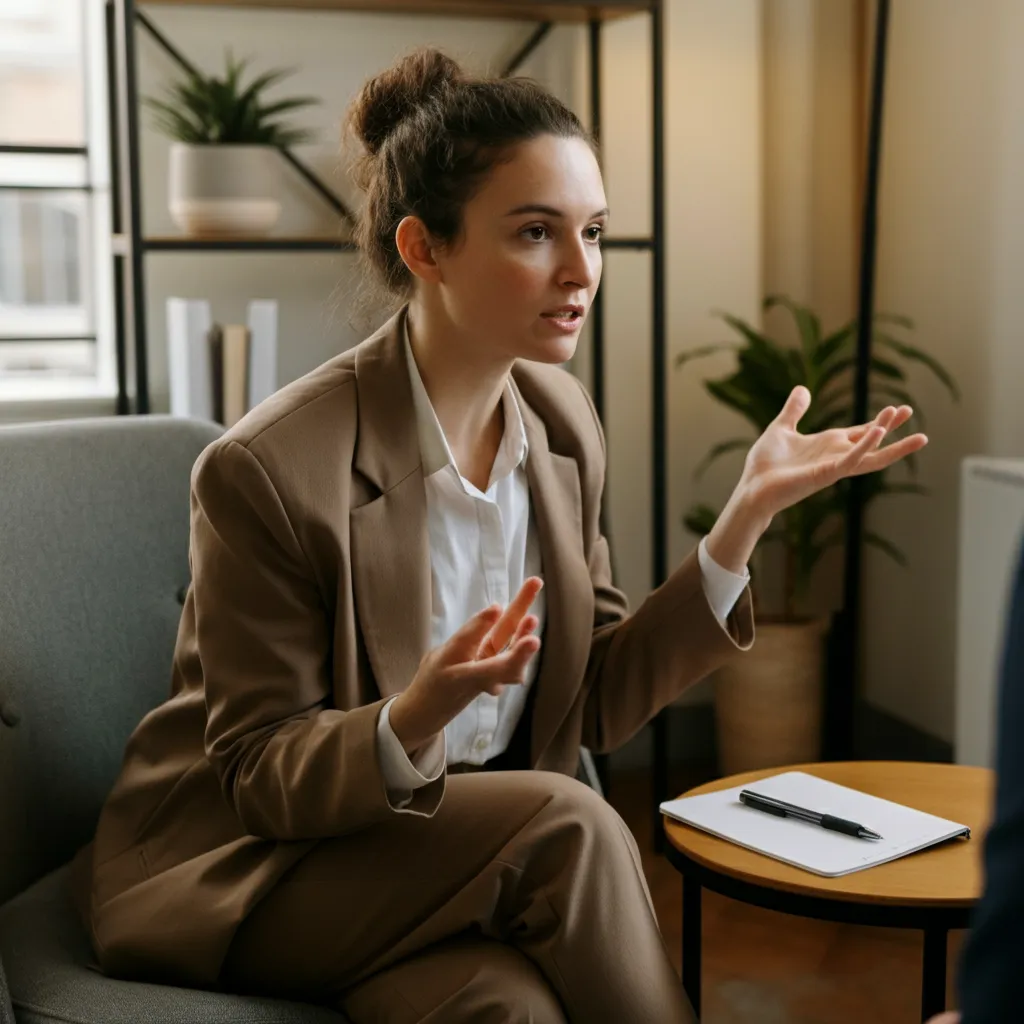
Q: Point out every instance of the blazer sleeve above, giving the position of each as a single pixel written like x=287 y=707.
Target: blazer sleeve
x=290 y=764
x=639 y=663
x=990 y=991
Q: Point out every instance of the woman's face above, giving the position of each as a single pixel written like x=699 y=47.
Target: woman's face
x=523 y=273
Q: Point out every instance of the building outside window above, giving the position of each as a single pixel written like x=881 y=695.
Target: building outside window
x=56 y=318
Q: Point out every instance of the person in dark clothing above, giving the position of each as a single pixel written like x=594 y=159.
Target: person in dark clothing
x=989 y=980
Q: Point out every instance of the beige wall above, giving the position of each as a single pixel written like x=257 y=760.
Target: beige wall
x=951 y=252
x=810 y=184
x=713 y=229
x=951 y=243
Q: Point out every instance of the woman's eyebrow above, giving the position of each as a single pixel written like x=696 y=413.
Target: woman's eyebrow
x=548 y=211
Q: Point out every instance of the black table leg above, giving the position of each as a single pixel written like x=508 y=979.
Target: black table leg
x=691 y=941
x=933 y=978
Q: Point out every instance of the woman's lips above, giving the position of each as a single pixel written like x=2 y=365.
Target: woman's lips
x=567 y=319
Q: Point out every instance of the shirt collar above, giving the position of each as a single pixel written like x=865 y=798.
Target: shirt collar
x=434 y=449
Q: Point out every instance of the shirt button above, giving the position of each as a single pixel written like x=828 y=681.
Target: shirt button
x=482 y=743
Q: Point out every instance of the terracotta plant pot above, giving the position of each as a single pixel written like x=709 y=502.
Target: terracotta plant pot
x=768 y=701
x=217 y=191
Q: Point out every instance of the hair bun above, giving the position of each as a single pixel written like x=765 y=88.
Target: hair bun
x=392 y=96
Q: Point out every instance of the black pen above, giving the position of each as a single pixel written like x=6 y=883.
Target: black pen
x=771 y=805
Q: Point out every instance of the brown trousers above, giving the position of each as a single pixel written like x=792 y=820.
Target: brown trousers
x=521 y=900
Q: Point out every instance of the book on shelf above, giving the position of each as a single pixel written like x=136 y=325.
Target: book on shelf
x=220 y=371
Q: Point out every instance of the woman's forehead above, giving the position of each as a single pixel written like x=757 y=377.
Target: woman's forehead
x=558 y=174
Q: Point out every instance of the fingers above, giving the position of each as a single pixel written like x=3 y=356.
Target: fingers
x=869 y=440
x=507 y=626
x=797 y=404
x=891 y=454
x=863 y=459
x=890 y=418
x=526 y=627
x=491 y=674
x=464 y=643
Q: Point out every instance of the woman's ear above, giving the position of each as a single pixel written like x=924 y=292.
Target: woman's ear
x=417 y=249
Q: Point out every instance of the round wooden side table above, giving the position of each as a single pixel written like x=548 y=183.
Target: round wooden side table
x=933 y=890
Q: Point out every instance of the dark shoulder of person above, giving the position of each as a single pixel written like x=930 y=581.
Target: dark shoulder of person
x=990 y=971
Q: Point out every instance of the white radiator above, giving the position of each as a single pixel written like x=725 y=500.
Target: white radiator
x=991 y=530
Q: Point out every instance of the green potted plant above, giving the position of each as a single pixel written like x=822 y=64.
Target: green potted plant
x=768 y=703
x=223 y=162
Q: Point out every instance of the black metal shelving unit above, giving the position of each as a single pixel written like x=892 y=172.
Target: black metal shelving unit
x=124 y=18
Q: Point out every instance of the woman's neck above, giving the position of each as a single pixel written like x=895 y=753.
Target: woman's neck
x=465 y=389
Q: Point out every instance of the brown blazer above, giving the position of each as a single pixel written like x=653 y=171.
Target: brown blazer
x=309 y=606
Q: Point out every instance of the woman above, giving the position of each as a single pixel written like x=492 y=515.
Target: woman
x=307 y=814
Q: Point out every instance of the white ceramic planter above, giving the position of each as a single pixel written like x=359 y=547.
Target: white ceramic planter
x=224 y=190
x=768 y=701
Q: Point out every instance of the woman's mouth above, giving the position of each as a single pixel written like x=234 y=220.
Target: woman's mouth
x=567 y=317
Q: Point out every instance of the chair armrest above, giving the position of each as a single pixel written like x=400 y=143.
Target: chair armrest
x=6 y=1011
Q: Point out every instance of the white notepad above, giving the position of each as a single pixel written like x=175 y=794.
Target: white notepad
x=904 y=830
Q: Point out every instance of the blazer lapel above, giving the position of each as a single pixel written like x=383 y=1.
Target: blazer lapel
x=557 y=505
x=391 y=553
x=389 y=542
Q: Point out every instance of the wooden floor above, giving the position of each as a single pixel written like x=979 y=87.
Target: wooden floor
x=762 y=967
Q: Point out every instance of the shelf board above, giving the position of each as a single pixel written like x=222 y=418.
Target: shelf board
x=171 y=243
x=525 y=10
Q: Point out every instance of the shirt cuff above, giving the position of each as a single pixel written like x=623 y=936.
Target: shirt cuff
x=402 y=775
x=721 y=587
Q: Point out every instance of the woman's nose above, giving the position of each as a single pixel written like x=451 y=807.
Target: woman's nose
x=581 y=266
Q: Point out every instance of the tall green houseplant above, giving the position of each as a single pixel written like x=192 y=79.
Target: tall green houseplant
x=766 y=372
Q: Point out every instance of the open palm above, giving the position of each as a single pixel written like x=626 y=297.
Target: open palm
x=784 y=466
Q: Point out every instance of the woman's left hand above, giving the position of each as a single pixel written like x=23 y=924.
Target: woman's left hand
x=784 y=466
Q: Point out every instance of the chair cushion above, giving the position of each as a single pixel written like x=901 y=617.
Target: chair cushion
x=52 y=976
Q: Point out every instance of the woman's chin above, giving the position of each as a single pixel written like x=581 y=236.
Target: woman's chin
x=551 y=349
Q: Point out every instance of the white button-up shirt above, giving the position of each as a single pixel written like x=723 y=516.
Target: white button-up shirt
x=483 y=545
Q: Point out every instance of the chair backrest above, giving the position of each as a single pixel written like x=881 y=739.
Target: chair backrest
x=94 y=527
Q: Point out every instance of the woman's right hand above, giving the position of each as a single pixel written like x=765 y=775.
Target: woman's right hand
x=488 y=653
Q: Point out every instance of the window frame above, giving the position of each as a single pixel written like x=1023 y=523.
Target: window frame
x=50 y=168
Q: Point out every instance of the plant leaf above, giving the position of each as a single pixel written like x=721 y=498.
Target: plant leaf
x=917 y=355
x=719 y=450
x=757 y=342
x=834 y=343
x=749 y=404
x=807 y=323
x=894 y=318
x=877 y=541
x=211 y=109
x=700 y=520
x=705 y=350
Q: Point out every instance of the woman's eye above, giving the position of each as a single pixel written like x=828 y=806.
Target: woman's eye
x=537 y=233
x=594 y=232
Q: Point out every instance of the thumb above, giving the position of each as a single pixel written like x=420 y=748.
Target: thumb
x=797 y=404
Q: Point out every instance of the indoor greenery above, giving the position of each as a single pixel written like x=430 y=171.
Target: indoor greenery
x=206 y=110
x=767 y=370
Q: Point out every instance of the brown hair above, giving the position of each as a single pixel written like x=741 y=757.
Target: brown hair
x=431 y=134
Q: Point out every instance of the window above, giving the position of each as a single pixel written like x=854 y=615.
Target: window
x=56 y=317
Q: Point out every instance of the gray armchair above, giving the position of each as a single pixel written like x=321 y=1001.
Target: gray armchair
x=94 y=524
